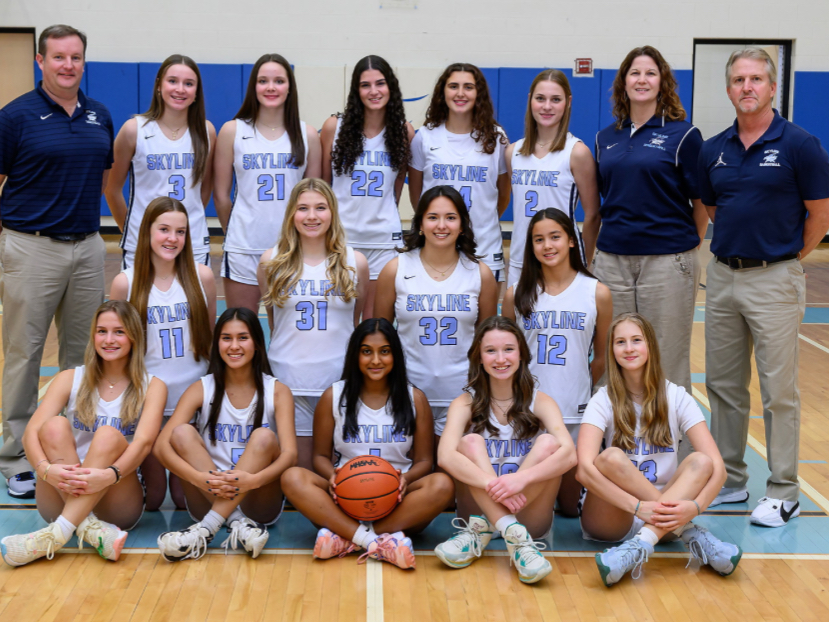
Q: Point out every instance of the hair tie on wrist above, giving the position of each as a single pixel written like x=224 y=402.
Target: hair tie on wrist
x=117 y=472
x=638 y=503
x=694 y=501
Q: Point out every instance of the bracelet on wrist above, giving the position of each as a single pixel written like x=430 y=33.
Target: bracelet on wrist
x=638 y=503
x=694 y=501
x=117 y=472
x=46 y=472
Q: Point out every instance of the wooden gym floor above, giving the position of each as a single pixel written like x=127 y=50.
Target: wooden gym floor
x=784 y=574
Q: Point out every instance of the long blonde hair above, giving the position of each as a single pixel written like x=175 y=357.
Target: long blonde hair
x=285 y=267
x=655 y=427
x=186 y=273
x=133 y=399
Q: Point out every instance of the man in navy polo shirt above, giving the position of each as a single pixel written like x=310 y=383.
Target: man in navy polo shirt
x=55 y=154
x=760 y=179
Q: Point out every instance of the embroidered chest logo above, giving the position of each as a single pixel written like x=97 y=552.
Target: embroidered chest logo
x=770 y=158
x=720 y=161
x=92 y=117
x=656 y=141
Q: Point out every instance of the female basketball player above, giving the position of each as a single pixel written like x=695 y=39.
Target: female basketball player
x=230 y=440
x=502 y=422
x=562 y=311
x=266 y=150
x=177 y=299
x=636 y=490
x=460 y=144
x=438 y=292
x=89 y=457
x=169 y=152
x=652 y=218
x=365 y=156
x=550 y=167
x=372 y=410
x=313 y=286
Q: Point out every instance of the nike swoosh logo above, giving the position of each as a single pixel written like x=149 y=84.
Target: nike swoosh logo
x=46 y=116
x=433 y=148
x=409 y=277
x=611 y=146
x=787 y=515
x=246 y=137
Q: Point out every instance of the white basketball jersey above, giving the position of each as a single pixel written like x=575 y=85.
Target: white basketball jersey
x=436 y=323
x=368 y=209
x=455 y=160
x=163 y=168
x=265 y=176
x=109 y=413
x=169 y=350
x=376 y=435
x=559 y=333
x=538 y=184
x=234 y=425
x=505 y=452
x=311 y=331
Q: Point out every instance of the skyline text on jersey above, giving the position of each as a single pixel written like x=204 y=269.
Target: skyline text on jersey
x=255 y=161
x=437 y=302
x=374 y=158
x=459 y=172
x=161 y=314
x=170 y=161
x=373 y=434
x=566 y=320
x=509 y=448
x=114 y=422
x=530 y=177
x=314 y=287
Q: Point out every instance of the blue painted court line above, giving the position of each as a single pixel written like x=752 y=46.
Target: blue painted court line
x=812 y=461
x=697 y=377
x=49 y=371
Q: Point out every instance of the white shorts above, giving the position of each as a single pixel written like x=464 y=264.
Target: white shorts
x=304 y=406
x=240 y=267
x=573 y=429
x=377 y=259
x=514 y=273
x=439 y=415
x=128 y=259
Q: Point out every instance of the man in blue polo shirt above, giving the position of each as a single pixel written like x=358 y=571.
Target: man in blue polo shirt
x=55 y=152
x=759 y=180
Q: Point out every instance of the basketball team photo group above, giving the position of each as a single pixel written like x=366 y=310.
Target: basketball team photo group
x=406 y=384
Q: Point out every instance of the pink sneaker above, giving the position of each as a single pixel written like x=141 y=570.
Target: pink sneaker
x=330 y=545
x=387 y=548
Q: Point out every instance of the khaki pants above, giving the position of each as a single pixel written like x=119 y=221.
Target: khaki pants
x=41 y=279
x=759 y=308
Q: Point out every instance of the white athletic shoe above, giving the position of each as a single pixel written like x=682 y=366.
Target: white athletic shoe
x=616 y=562
x=525 y=554
x=251 y=535
x=730 y=495
x=774 y=512
x=190 y=543
x=466 y=545
x=104 y=537
x=24 y=548
x=708 y=549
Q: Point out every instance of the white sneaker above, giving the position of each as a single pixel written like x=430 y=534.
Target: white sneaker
x=24 y=548
x=730 y=495
x=708 y=549
x=104 y=537
x=774 y=512
x=466 y=545
x=251 y=535
x=190 y=543
x=525 y=554
x=22 y=485
x=616 y=562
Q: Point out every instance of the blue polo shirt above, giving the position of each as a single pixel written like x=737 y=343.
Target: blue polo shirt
x=54 y=164
x=759 y=191
x=647 y=181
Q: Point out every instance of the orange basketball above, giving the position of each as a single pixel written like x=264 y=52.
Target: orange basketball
x=367 y=488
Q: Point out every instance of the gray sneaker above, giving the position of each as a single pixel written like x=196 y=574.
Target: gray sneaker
x=615 y=563
x=22 y=485
x=708 y=549
x=730 y=495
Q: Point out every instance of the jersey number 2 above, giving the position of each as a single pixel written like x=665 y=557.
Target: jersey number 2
x=266 y=184
x=531 y=204
x=367 y=184
x=550 y=353
x=448 y=328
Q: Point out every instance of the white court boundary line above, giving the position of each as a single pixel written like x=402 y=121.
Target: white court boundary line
x=374 y=591
x=812 y=342
x=757 y=446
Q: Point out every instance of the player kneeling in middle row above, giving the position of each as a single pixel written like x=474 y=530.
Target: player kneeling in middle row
x=229 y=440
x=372 y=410
x=503 y=423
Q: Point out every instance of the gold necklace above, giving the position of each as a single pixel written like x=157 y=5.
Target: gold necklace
x=175 y=132
x=272 y=129
x=111 y=384
x=441 y=272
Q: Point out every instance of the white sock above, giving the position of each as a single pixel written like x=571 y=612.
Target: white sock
x=212 y=521
x=505 y=521
x=648 y=536
x=680 y=530
x=235 y=515
x=66 y=527
x=364 y=536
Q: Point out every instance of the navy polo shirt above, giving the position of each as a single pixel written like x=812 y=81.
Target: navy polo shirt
x=54 y=163
x=646 y=182
x=759 y=191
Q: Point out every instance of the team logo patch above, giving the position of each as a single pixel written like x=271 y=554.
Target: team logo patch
x=92 y=117
x=656 y=141
x=397 y=235
x=770 y=158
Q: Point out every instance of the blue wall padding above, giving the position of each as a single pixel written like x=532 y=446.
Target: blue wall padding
x=493 y=80
x=810 y=110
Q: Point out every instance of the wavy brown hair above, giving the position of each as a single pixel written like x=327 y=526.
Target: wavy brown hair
x=668 y=102
x=196 y=117
x=654 y=425
x=285 y=267
x=524 y=423
x=250 y=106
x=133 y=396
x=485 y=130
x=185 y=270
x=530 y=125
x=465 y=244
x=350 y=140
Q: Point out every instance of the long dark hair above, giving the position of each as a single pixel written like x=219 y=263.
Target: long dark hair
x=350 y=141
x=485 y=130
x=259 y=365
x=668 y=103
x=524 y=423
x=532 y=275
x=465 y=243
x=250 y=106
x=196 y=117
x=401 y=402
